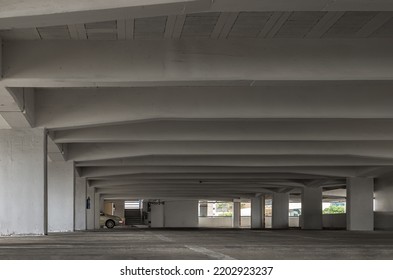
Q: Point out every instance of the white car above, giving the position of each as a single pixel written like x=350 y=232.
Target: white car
x=110 y=221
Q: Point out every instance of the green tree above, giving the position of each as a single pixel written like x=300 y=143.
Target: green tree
x=333 y=209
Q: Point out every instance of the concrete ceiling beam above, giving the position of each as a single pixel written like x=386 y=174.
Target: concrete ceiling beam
x=256 y=161
x=102 y=151
x=266 y=172
x=22 y=14
x=191 y=62
x=73 y=108
x=231 y=130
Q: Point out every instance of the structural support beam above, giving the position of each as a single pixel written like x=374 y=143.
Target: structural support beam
x=280 y=210
x=17 y=106
x=251 y=130
x=360 y=195
x=236 y=218
x=80 y=203
x=190 y=62
x=51 y=13
x=258 y=212
x=98 y=208
x=102 y=151
x=188 y=171
x=239 y=160
x=311 y=208
x=324 y=101
x=90 y=205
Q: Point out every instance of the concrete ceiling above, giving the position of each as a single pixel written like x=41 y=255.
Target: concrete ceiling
x=220 y=25
x=204 y=99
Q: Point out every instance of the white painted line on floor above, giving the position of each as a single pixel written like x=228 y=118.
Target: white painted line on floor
x=209 y=253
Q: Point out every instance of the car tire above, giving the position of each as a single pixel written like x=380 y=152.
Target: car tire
x=110 y=224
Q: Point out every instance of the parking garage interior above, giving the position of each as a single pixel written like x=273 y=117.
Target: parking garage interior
x=161 y=110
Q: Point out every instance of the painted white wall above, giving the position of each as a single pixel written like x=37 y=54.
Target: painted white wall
x=181 y=213
x=60 y=196
x=80 y=203
x=22 y=159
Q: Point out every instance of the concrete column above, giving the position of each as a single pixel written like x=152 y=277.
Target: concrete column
x=236 y=214
x=98 y=207
x=60 y=196
x=311 y=208
x=203 y=209
x=280 y=210
x=80 y=203
x=90 y=193
x=383 y=215
x=258 y=212
x=360 y=196
x=23 y=204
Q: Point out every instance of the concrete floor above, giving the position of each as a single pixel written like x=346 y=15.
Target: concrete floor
x=134 y=243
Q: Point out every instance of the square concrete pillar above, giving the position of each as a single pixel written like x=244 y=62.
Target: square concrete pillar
x=60 y=196
x=258 y=212
x=280 y=210
x=98 y=208
x=312 y=208
x=383 y=192
x=90 y=199
x=360 y=196
x=80 y=203
x=23 y=185
x=236 y=215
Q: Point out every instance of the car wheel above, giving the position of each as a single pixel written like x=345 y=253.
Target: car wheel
x=110 y=224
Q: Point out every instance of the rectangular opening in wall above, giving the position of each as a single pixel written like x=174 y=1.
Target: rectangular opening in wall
x=245 y=214
x=268 y=211
x=214 y=213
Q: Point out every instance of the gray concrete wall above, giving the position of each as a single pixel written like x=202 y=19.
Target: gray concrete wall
x=80 y=203
x=181 y=213
x=22 y=181
x=334 y=221
x=60 y=196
